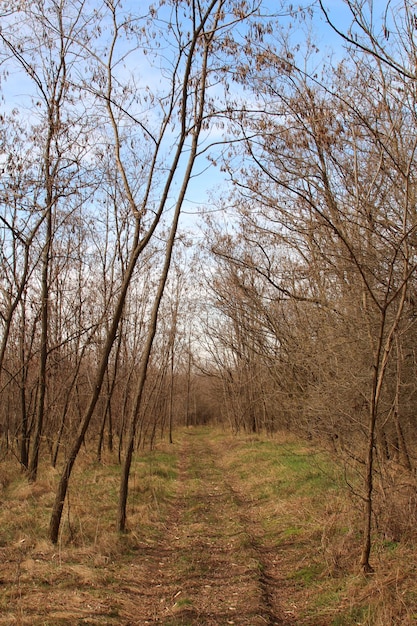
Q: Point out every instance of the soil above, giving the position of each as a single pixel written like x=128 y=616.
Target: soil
x=210 y=565
x=213 y=566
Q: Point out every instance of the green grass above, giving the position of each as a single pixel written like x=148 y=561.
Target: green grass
x=308 y=574
x=291 y=469
x=305 y=514
x=357 y=615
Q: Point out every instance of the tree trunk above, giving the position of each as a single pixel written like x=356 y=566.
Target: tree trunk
x=58 y=506
x=40 y=409
x=199 y=108
x=368 y=488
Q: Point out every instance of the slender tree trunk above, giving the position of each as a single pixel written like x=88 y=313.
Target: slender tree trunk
x=66 y=407
x=124 y=483
x=368 y=484
x=40 y=410
x=404 y=456
x=382 y=356
x=188 y=392
x=58 y=506
x=24 y=436
x=123 y=493
x=104 y=418
x=199 y=116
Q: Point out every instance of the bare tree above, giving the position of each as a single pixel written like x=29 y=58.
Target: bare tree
x=182 y=105
x=200 y=42
x=44 y=62
x=327 y=222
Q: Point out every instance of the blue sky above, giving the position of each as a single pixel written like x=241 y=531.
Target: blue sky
x=17 y=92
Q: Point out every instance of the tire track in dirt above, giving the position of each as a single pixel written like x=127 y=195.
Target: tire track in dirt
x=209 y=568
x=272 y=579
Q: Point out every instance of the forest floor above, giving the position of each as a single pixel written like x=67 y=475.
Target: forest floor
x=222 y=530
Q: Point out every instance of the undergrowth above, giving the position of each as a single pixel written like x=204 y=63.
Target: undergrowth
x=313 y=519
x=298 y=495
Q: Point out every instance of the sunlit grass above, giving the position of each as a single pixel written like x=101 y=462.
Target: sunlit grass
x=298 y=498
x=47 y=584
x=307 y=512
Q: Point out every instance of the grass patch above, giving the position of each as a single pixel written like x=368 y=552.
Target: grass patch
x=80 y=579
x=308 y=574
x=356 y=615
x=311 y=523
x=286 y=502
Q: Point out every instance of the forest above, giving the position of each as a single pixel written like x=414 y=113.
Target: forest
x=208 y=216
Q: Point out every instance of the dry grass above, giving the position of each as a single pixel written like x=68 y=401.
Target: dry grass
x=78 y=580
x=311 y=518
x=298 y=515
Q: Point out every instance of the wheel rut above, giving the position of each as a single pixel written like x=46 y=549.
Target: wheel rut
x=210 y=567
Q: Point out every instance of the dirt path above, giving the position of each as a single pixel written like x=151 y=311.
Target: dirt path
x=210 y=567
x=222 y=530
x=205 y=562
